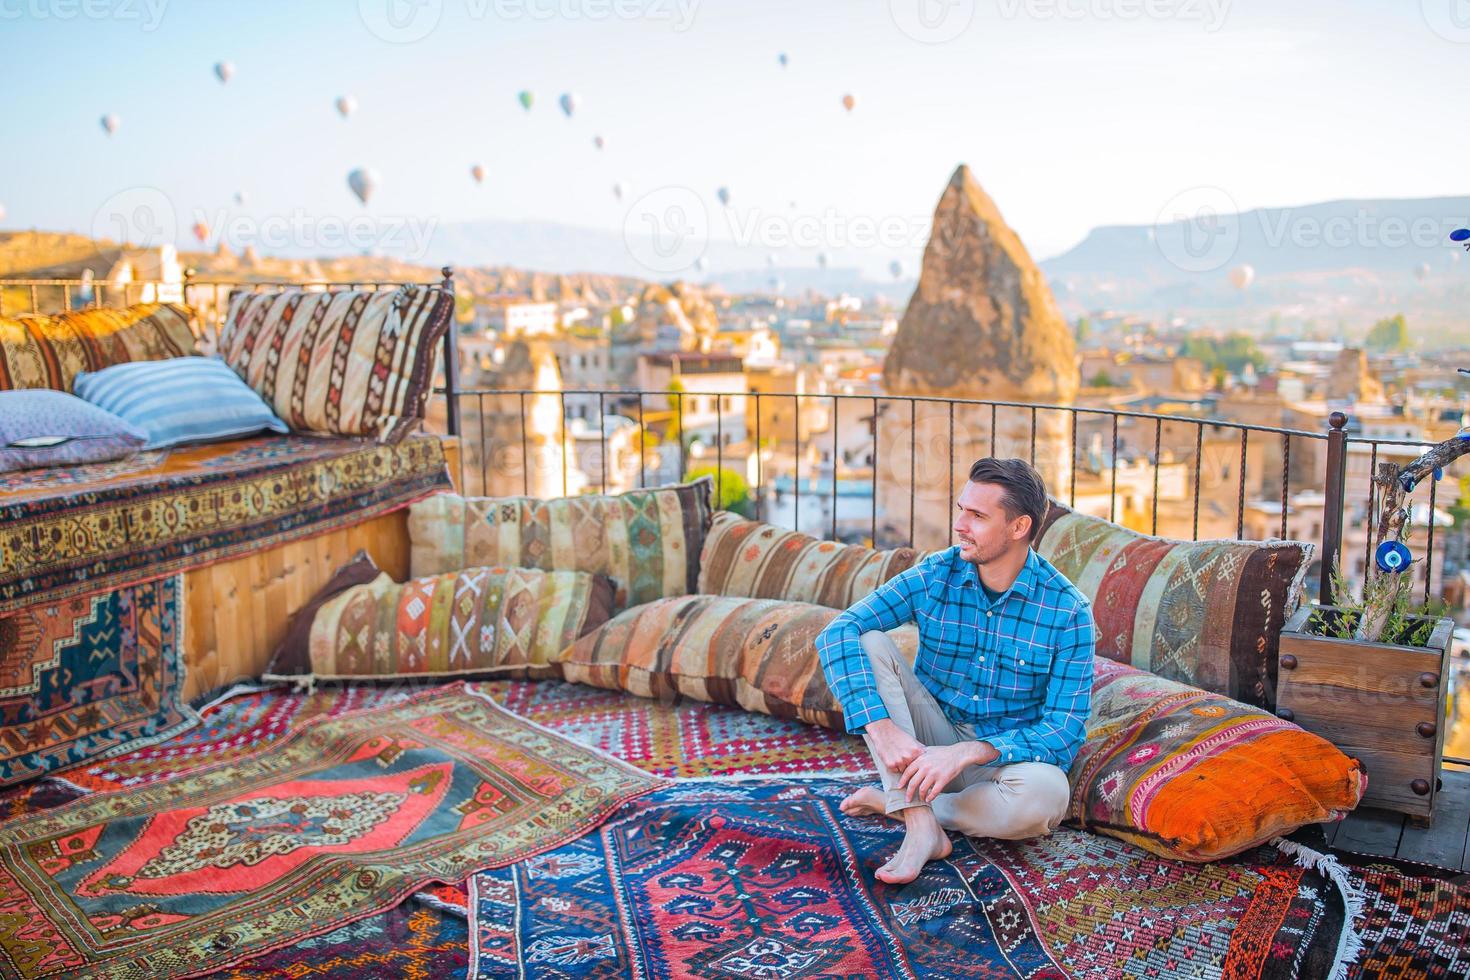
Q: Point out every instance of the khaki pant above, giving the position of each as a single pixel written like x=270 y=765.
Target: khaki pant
x=1024 y=799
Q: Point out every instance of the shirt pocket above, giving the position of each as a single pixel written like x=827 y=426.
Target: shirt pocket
x=1022 y=672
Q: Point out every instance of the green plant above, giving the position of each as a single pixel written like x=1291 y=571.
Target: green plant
x=731 y=489
x=1407 y=624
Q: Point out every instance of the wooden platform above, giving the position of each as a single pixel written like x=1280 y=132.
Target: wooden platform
x=1445 y=843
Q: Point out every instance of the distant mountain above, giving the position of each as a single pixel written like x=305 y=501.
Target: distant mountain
x=1347 y=261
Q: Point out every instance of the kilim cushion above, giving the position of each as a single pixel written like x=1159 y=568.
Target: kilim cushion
x=50 y=351
x=646 y=541
x=1196 y=776
x=476 y=621
x=762 y=561
x=1206 y=613
x=340 y=362
x=756 y=654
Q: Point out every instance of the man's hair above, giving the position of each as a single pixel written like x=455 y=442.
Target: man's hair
x=1025 y=490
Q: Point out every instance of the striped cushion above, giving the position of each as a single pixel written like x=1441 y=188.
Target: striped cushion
x=50 y=351
x=646 y=541
x=476 y=621
x=757 y=654
x=1196 y=776
x=184 y=400
x=1205 y=613
x=340 y=362
x=762 y=561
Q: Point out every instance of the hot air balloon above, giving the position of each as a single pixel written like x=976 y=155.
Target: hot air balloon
x=346 y=105
x=822 y=259
x=525 y=98
x=701 y=263
x=783 y=59
x=201 y=231
x=478 y=172
x=224 y=70
x=363 y=182
x=620 y=189
x=598 y=142
x=110 y=122
x=2 y=212
x=724 y=195
x=1242 y=276
x=569 y=102
x=895 y=269
x=241 y=197
x=848 y=101
x=1421 y=271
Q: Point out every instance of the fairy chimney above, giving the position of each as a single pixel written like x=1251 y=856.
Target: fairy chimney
x=981 y=324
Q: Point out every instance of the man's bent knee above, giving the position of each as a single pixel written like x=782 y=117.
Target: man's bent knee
x=880 y=648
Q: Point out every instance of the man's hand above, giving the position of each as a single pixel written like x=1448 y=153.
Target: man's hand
x=895 y=747
x=937 y=765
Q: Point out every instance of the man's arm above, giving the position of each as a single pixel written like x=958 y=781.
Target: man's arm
x=843 y=661
x=1063 y=721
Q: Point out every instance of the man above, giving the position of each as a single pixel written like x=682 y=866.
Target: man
x=978 y=735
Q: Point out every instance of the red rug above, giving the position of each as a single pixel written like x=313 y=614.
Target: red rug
x=341 y=819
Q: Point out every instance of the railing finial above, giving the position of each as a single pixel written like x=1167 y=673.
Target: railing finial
x=1337 y=420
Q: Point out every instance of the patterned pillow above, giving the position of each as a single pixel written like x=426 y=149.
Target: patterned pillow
x=477 y=621
x=185 y=400
x=340 y=362
x=757 y=654
x=1191 y=775
x=762 y=561
x=646 y=541
x=39 y=427
x=50 y=351
x=1206 y=613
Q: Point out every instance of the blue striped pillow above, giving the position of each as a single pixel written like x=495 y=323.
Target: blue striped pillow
x=180 y=400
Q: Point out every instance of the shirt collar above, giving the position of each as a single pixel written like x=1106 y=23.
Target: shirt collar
x=968 y=575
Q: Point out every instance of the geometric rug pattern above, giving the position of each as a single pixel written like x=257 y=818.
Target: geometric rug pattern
x=766 y=878
x=341 y=819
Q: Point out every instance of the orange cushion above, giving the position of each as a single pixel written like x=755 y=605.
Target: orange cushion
x=1188 y=774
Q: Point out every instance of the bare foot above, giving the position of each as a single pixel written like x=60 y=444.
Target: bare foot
x=924 y=841
x=870 y=801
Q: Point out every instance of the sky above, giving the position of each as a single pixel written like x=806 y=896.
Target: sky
x=1071 y=113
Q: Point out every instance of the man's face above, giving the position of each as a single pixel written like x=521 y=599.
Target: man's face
x=981 y=527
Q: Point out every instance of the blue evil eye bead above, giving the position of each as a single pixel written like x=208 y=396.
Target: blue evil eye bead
x=1392 y=556
x=1460 y=235
x=1406 y=480
x=1438 y=473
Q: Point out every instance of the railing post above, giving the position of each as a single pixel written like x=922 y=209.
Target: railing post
x=451 y=358
x=1333 y=487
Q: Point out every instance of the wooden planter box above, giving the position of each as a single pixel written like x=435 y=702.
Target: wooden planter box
x=1379 y=703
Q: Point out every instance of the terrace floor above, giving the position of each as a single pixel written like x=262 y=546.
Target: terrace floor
x=1445 y=843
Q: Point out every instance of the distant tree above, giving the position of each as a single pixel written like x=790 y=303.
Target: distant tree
x=1102 y=379
x=733 y=492
x=464 y=308
x=1389 y=334
x=1230 y=354
x=1083 y=329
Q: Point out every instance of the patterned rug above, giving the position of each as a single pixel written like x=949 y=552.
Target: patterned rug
x=765 y=879
x=197 y=506
x=687 y=738
x=90 y=675
x=341 y=819
x=1412 y=926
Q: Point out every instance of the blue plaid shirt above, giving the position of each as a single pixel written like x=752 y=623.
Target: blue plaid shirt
x=1018 y=670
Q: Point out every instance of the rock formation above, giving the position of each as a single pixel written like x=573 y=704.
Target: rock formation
x=1351 y=379
x=981 y=324
x=529 y=366
x=678 y=309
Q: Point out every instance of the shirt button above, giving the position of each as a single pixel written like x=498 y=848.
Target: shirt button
x=982 y=660
x=989 y=613
x=1021 y=662
x=974 y=697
